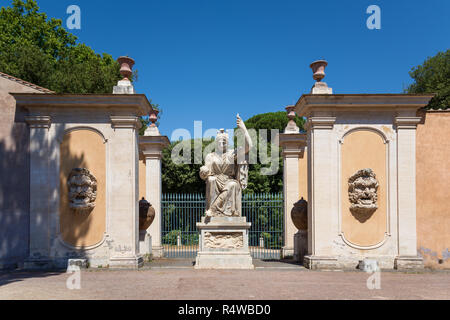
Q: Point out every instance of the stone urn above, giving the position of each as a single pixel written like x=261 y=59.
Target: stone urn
x=318 y=68
x=299 y=215
x=126 y=67
x=146 y=214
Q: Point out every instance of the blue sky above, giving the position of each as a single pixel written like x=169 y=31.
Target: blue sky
x=211 y=59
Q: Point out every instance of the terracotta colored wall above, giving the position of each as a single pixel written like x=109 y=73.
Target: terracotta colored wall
x=433 y=189
x=303 y=172
x=360 y=150
x=14 y=177
x=142 y=181
x=83 y=149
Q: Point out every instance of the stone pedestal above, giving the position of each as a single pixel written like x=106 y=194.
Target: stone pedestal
x=224 y=243
x=145 y=243
x=300 y=245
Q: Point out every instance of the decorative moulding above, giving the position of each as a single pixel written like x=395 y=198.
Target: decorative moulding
x=137 y=103
x=326 y=123
x=407 y=122
x=35 y=122
x=95 y=246
x=81 y=128
x=125 y=122
x=309 y=103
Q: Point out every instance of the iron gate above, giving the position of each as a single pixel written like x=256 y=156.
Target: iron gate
x=181 y=212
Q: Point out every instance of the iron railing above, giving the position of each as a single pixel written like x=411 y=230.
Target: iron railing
x=181 y=212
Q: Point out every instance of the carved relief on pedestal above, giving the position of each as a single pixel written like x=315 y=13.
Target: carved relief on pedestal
x=363 y=194
x=82 y=187
x=224 y=240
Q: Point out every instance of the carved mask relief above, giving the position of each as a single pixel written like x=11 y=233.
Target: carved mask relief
x=82 y=190
x=363 y=194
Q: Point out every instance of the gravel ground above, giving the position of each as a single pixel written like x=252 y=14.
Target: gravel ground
x=184 y=283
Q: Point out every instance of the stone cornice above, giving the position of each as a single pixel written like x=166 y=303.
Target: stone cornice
x=125 y=122
x=326 y=123
x=309 y=103
x=407 y=122
x=293 y=144
x=138 y=102
x=151 y=146
x=35 y=122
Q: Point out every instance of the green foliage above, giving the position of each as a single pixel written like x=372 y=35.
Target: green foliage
x=145 y=120
x=272 y=120
x=258 y=183
x=182 y=178
x=433 y=76
x=39 y=50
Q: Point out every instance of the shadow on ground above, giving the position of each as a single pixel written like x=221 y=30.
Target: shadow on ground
x=18 y=276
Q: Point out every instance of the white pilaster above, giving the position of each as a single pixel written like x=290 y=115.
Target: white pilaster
x=293 y=145
x=39 y=191
x=322 y=190
x=151 y=147
x=123 y=193
x=406 y=164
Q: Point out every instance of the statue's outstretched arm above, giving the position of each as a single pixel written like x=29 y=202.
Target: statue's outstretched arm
x=248 y=145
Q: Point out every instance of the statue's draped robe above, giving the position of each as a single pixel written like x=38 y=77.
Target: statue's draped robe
x=225 y=183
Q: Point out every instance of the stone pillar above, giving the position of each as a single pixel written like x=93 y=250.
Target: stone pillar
x=322 y=191
x=151 y=147
x=407 y=230
x=293 y=143
x=39 y=255
x=122 y=195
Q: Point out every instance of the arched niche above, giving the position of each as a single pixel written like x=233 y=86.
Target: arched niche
x=364 y=148
x=83 y=148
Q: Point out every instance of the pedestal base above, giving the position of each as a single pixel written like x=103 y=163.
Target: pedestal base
x=133 y=262
x=224 y=244
x=316 y=263
x=38 y=264
x=408 y=263
x=157 y=252
x=145 y=243
x=300 y=245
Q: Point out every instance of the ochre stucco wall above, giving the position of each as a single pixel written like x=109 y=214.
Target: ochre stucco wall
x=142 y=181
x=303 y=176
x=363 y=149
x=433 y=189
x=83 y=149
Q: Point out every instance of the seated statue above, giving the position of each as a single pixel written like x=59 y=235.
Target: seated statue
x=226 y=175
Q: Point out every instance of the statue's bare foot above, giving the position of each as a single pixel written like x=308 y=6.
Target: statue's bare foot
x=209 y=214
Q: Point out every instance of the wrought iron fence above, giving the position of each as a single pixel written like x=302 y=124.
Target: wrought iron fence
x=181 y=212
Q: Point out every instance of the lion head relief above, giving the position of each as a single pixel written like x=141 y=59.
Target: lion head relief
x=82 y=187
x=363 y=193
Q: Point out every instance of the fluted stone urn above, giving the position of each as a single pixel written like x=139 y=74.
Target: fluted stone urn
x=146 y=215
x=299 y=215
x=126 y=67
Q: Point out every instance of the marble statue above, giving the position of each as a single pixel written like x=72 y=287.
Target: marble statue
x=226 y=175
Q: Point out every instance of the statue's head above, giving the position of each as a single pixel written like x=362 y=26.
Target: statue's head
x=82 y=190
x=363 y=192
x=222 y=141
